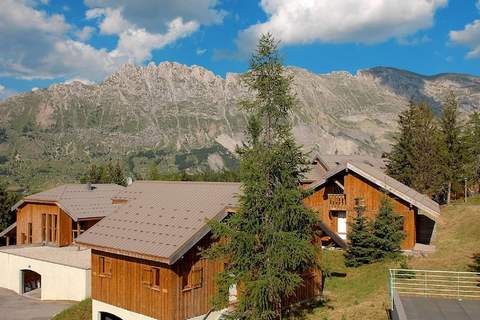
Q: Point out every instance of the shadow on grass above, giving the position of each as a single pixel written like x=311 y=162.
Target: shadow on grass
x=301 y=311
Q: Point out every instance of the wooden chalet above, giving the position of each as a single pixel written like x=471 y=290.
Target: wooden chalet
x=57 y=216
x=145 y=255
x=340 y=183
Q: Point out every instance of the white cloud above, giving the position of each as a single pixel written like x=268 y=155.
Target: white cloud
x=137 y=44
x=112 y=22
x=359 y=21
x=154 y=15
x=469 y=37
x=85 y=33
x=5 y=92
x=84 y=81
x=38 y=45
x=200 y=51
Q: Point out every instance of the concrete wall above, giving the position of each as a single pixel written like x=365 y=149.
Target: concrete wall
x=59 y=282
x=98 y=307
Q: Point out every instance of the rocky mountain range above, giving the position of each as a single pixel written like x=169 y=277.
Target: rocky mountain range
x=188 y=118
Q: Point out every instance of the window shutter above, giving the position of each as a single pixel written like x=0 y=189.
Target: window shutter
x=197 y=278
x=108 y=266
x=146 y=276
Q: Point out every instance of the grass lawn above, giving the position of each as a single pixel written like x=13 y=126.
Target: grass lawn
x=361 y=293
x=80 y=311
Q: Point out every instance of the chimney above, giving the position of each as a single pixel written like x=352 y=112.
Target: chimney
x=89 y=186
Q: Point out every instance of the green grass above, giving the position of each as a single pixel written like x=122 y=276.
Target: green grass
x=80 y=311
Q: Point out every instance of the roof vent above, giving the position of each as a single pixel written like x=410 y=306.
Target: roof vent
x=89 y=186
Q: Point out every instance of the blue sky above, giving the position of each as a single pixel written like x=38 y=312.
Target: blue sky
x=52 y=41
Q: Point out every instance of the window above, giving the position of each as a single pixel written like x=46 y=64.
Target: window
x=30 y=233
x=146 y=277
x=49 y=228
x=44 y=227
x=193 y=280
x=54 y=228
x=156 y=278
x=151 y=277
x=104 y=266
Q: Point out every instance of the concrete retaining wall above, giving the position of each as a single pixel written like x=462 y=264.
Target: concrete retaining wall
x=59 y=282
x=98 y=307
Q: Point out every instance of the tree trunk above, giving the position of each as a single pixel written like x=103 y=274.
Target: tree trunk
x=449 y=192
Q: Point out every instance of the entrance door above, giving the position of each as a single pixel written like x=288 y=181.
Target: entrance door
x=31 y=283
x=342 y=225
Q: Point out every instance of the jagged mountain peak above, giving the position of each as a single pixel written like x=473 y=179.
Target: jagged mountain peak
x=187 y=117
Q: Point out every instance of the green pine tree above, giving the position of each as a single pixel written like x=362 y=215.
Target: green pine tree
x=387 y=230
x=153 y=173
x=452 y=144
x=426 y=159
x=415 y=157
x=268 y=242
x=399 y=164
x=7 y=201
x=116 y=175
x=472 y=143
x=361 y=249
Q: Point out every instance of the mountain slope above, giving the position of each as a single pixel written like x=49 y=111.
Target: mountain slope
x=187 y=117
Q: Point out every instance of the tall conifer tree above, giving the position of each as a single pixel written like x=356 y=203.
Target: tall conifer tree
x=452 y=146
x=415 y=157
x=268 y=242
x=472 y=141
x=399 y=164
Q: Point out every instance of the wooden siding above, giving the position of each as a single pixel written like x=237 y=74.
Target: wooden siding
x=124 y=287
x=32 y=213
x=358 y=187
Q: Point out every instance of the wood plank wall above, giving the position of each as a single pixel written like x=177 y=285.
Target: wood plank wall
x=124 y=287
x=32 y=213
x=358 y=187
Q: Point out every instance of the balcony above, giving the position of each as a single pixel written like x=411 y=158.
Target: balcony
x=337 y=202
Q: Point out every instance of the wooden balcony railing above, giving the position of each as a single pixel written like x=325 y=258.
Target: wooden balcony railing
x=337 y=202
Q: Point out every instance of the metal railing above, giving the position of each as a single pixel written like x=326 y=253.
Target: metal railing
x=430 y=283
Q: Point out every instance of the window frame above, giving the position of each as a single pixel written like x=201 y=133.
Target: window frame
x=187 y=279
x=104 y=266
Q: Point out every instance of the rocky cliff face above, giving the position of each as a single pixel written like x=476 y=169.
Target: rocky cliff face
x=187 y=117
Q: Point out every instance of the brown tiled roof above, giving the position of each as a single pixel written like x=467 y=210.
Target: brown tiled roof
x=77 y=200
x=389 y=184
x=162 y=219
